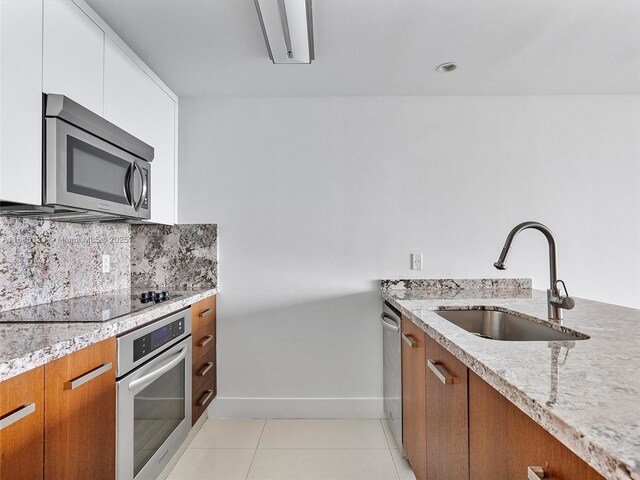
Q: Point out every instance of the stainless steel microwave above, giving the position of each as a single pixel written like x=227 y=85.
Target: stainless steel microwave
x=91 y=164
x=93 y=171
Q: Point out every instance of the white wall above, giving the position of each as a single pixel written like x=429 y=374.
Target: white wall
x=316 y=198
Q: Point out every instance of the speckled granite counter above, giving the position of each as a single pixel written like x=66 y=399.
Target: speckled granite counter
x=24 y=346
x=588 y=399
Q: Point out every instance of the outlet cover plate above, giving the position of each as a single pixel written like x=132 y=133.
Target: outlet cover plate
x=416 y=261
x=106 y=263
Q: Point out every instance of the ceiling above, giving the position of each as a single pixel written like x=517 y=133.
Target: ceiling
x=391 y=47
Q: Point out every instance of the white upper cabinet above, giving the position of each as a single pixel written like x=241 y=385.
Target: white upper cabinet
x=73 y=54
x=64 y=47
x=135 y=103
x=21 y=101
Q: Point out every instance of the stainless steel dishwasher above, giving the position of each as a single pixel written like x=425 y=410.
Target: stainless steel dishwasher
x=392 y=370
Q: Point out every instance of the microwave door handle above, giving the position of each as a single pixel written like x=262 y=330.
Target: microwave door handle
x=143 y=182
x=127 y=185
x=145 y=188
x=132 y=184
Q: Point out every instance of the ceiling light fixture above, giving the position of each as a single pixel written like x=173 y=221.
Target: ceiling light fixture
x=287 y=26
x=446 y=67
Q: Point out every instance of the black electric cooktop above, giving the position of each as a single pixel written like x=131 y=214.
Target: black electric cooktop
x=89 y=309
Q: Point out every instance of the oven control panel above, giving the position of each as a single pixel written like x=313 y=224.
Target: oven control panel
x=157 y=338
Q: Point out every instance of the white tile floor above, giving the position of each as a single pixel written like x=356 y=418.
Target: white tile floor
x=293 y=450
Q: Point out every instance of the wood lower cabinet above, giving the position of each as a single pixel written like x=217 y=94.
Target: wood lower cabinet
x=80 y=414
x=21 y=426
x=204 y=377
x=203 y=370
x=201 y=400
x=457 y=427
x=446 y=414
x=203 y=340
x=414 y=428
x=203 y=313
x=504 y=442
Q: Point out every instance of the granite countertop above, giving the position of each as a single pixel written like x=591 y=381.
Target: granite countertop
x=585 y=393
x=25 y=346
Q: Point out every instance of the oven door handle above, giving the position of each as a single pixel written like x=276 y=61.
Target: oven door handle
x=145 y=380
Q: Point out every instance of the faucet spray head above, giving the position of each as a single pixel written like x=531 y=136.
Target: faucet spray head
x=500 y=265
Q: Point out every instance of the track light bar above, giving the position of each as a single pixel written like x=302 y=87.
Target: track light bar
x=287 y=26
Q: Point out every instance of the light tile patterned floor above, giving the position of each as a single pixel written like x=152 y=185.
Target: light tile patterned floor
x=285 y=449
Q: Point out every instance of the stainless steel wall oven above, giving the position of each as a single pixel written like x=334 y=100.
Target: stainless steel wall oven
x=153 y=395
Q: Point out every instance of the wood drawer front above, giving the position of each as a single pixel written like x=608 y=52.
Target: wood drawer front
x=203 y=313
x=21 y=440
x=414 y=431
x=207 y=365
x=80 y=414
x=202 y=398
x=203 y=340
x=447 y=414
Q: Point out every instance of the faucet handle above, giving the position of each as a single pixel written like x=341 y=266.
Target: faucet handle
x=565 y=302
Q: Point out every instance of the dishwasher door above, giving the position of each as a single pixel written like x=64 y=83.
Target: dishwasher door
x=392 y=370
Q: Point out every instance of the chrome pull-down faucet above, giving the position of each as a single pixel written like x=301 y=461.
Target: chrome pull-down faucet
x=555 y=301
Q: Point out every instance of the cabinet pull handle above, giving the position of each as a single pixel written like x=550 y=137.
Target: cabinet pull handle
x=206 y=313
x=17 y=415
x=535 y=473
x=440 y=372
x=205 y=340
x=409 y=340
x=205 y=398
x=87 y=377
x=203 y=372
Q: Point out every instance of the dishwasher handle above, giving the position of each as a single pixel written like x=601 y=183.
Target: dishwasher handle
x=395 y=326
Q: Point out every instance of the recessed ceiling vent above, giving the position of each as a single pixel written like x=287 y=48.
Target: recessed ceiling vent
x=287 y=26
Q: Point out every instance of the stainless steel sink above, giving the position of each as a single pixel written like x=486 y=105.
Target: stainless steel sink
x=496 y=325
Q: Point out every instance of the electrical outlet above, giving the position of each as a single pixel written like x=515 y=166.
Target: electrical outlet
x=106 y=263
x=416 y=261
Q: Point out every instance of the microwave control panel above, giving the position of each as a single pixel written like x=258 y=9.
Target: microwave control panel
x=154 y=340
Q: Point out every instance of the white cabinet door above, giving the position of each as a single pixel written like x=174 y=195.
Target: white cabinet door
x=135 y=103
x=21 y=101
x=73 y=54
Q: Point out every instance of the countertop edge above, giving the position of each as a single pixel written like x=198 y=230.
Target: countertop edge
x=59 y=349
x=599 y=458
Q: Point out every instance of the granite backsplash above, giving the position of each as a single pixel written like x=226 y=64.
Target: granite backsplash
x=178 y=257
x=43 y=261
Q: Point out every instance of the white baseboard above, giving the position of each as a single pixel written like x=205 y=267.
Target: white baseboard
x=230 y=407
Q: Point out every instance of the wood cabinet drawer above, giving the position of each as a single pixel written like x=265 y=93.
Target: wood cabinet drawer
x=80 y=414
x=203 y=313
x=21 y=431
x=202 y=398
x=203 y=369
x=203 y=340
